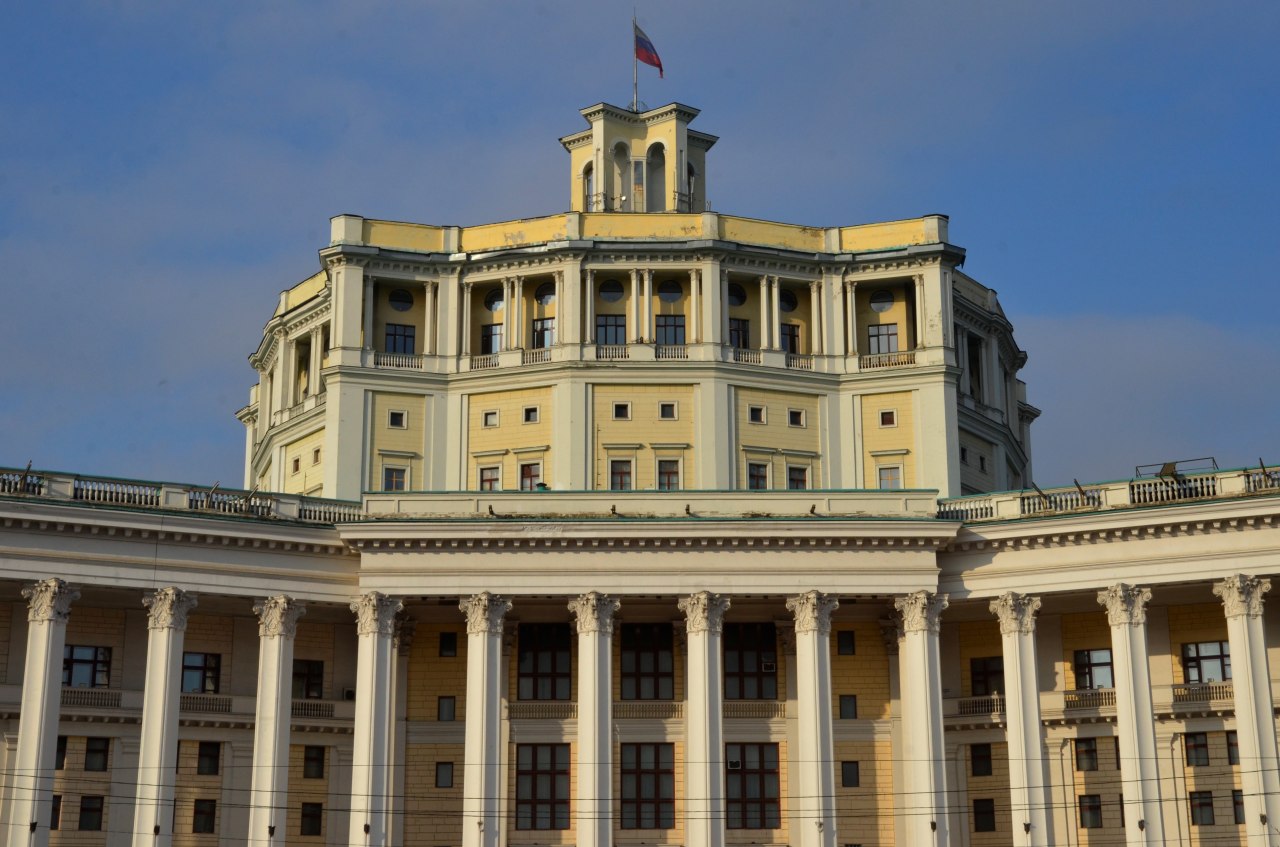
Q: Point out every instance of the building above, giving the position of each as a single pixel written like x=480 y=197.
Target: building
x=396 y=635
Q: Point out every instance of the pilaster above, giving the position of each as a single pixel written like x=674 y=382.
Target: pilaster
x=373 y=726
x=594 y=614
x=704 y=720
x=482 y=813
x=923 y=755
x=815 y=803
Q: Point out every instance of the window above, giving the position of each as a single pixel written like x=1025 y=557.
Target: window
x=530 y=476
x=620 y=475
x=542 y=786
x=1090 y=811
x=400 y=300
x=757 y=476
x=530 y=414
x=394 y=479
x=1115 y=742
x=797 y=478
x=669 y=329
x=667 y=411
x=90 y=814
x=1207 y=661
x=755 y=414
x=490 y=339
x=400 y=338
x=670 y=291
x=96 y=753
x=882 y=338
x=60 y=755
x=444 y=774
x=846 y=645
x=312 y=821
x=622 y=411
x=489 y=418
x=668 y=474
x=544 y=666
x=737 y=294
x=648 y=786
x=447 y=708
x=848 y=707
x=1086 y=754
x=740 y=333
x=448 y=644
x=984 y=815
x=890 y=477
x=209 y=758
x=86 y=667
x=1233 y=748
x=201 y=673
x=752 y=786
x=542 y=333
x=980 y=759
x=982 y=464
x=787 y=301
x=611 y=329
x=308 y=679
x=611 y=291
x=850 y=775
x=313 y=762
x=889 y=417
x=881 y=301
x=297 y=464
x=490 y=478
x=397 y=419
x=1202 y=808
x=55 y=813
x=1197 y=749
x=545 y=295
x=1093 y=669
x=986 y=675
x=795 y=417
x=964 y=455
x=204 y=815
x=1120 y=804
x=494 y=299
x=648 y=666
x=750 y=661
x=1237 y=805
x=790 y=338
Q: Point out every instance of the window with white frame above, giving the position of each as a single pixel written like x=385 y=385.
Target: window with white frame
x=395 y=478
x=489 y=418
x=490 y=477
x=795 y=417
x=531 y=414
x=890 y=477
x=622 y=411
x=797 y=477
x=530 y=475
x=888 y=418
x=619 y=474
x=757 y=476
x=755 y=414
x=668 y=474
x=397 y=419
x=667 y=411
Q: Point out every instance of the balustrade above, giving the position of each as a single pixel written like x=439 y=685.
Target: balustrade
x=670 y=351
x=799 y=363
x=887 y=360
x=540 y=356
x=482 y=363
x=612 y=352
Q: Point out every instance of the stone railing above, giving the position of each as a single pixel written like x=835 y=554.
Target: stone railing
x=218 y=704
x=92 y=698
x=539 y=356
x=670 y=351
x=1089 y=698
x=746 y=357
x=799 y=363
x=966 y=509
x=653 y=709
x=1200 y=693
x=1067 y=500
x=544 y=711
x=886 y=360
x=612 y=352
x=755 y=709
x=992 y=704
x=21 y=482
x=313 y=709
x=483 y=363
x=408 y=361
x=117 y=492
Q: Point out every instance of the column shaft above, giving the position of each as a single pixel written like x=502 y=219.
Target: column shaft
x=269 y=783
x=368 y=313
x=373 y=725
x=704 y=721
x=594 y=613
x=815 y=318
x=775 y=325
x=1028 y=776
x=924 y=781
x=816 y=802
x=695 y=306
x=465 y=347
x=590 y=306
x=646 y=306
x=482 y=767
x=429 y=318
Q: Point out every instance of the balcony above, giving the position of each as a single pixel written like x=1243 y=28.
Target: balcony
x=1202 y=698
x=483 y=363
x=612 y=352
x=539 y=356
x=745 y=357
x=649 y=709
x=404 y=361
x=668 y=352
x=876 y=361
x=542 y=711
x=799 y=363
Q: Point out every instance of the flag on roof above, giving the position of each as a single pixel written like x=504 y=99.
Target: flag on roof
x=645 y=51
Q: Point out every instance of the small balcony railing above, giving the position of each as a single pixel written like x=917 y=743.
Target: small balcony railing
x=670 y=351
x=992 y=704
x=746 y=357
x=653 y=709
x=219 y=704
x=968 y=509
x=118 y=492
x=1061 y=501
x=407 y=361
x=540 y=356
x=1089 y=698
x=612 y=352
x=1147 y=491
x=91 y=698
x=21 y=482
x=545 y=711
x=755 y=709
x=1202 y=693
x=312 y=708
x=887 y=360
x=485 y=362
x=799 y=363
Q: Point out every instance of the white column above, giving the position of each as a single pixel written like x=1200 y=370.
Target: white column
x=368 y=313
x=1251 y=686
x=375 y=624
x=695 y=306
x=158 y=744
x=279 y=380
x=317 y=357
x=590 y=297
x=918 y=311
x=48 y=607
x=775 y=328
x=429 y=318
x=637 y=333
x=560 y=316
x=851 y=317
x=517 y=296
x=704 y=806
x=1127 y=613
x=722 y=307
x=1028 y=777
x=815 y=804
x=815 y=318
x=402 y=641
x=508 y=315
x=764 y=313
x=924 y=779
x=646 y=308
x=269 y=784
x=594 y=613
x=465 y=347
x=482 y=772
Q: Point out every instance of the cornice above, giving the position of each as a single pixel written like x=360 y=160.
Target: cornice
x=904 y=263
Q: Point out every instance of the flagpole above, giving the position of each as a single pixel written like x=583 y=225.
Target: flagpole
x=635 y=68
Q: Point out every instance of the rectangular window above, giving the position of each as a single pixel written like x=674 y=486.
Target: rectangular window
x=209 y=758
x=90 y=814
x=297 y=465
x=315 y=456
x=984 y=815
x=1093 y=669
x=444 y=774
x=400 y=338
x=543 y=662
x=622 y=411
x=751 y=787
x=448 y=644
x=1197 y=749
x=611 y=329
x=757 y=476
x=797 y=478
x=986 y=675
x=308 y=679
x=490 y=478
x=86 y=667
x=1120 y=804
x=542 y=333
x=750 y=661
x=648 y=661
x=1202 y=808
x=60 y=756
x=55 y=813
x=204 y=816
x=740 y=333
x=447 y=708
x=888 y=418
x=312 y=821
x=648 y=786
x=201 y=673
x=1090 y=811
x=850 y=775
x=846 y=645
x=668 y=329
x=848 y=707
x=489 y=419
x=980 y=759
x=668 y=474
x=96 y=753
x=542 y=786
x=1086 y=754
x=1233 y=747
x=1207 y=661
x=490 y=339
x=313 y=762
x=397 y=419
x=755 y=414
x=530 y=476
x=790 y=338
x=890 y=477
x=1115 y=743
x=1237 y=805
x=530 y=414
x=667 y=411
x=795 y=417
x=882 y=338
x=394 y=479
x=620 y=475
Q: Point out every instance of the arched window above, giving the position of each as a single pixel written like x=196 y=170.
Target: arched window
x=655 y=191
x=621 y=178
x=588 y=187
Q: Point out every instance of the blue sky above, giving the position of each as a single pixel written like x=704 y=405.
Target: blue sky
x=167 y=169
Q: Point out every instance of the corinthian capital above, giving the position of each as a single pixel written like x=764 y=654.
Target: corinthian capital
x=594 y=612
x=921 y=611
x=704 y=611
x=167 y=608
x=484 y=613
x=1017 y=612
x=1242 y=594
x=1126 y=604
x=813 y=611
x=278 y=616
x=376 y=613
x=49 y=600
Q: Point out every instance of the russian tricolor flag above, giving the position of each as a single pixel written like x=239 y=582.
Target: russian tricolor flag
x=645 y=51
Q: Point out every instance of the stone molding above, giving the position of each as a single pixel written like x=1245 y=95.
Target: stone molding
x=1125 y=604
x=484 y=613
x=704 y=612
x=1242 y=594
x=594 y=612
x=278 y=616
x=49 y=600
x=167 y=608
x=813 y=611
x=376 y=613
x=1017 y=612
x=921 y=611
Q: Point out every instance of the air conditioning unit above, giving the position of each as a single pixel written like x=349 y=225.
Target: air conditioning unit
x=348 y=694
x=735 y=764
x=768 y=667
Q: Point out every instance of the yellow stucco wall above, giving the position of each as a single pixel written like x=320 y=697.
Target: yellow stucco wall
x=1084 y=631
x=898 y=313
x=865 y=674
x=383 y=314
x=432 y=676
x=888 y=234
x=310 y=474
x=432 y=815
x=977 y=639
x=878 y=439
x=993 y=787
x=513 y=233
x=314 y=641
x=791 y=236
x=403 y=236
x=405 y=445
x=304 y=291
x=509 y=444
x=1190 y=625
x=865 y=813
x=627 y=225
x=645 y=438
x=775 y=441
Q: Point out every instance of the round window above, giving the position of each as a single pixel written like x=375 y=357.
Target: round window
x=881 y=301
x=787 y=300
x=546 y=294
x=670 y=291
x=737 y=294
x=611 y=291
x=493 y=300
x=400 y=300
